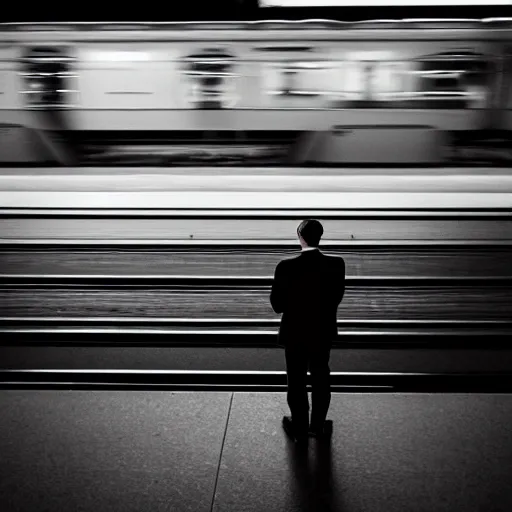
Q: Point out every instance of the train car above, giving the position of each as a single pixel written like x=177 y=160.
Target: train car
x=312 y=92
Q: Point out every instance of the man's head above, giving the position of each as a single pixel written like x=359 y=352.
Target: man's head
x=309 y=232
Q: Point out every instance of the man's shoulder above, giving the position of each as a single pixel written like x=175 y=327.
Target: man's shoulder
x=326 y=258
x=335 y=260
x=288 y=260
x=284 y=264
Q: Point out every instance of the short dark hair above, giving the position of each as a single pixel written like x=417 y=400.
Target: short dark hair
x=311 y=231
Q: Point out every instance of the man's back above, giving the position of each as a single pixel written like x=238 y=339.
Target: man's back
x=308 y=289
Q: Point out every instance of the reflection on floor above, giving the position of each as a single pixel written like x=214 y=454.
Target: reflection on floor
x=126 y=450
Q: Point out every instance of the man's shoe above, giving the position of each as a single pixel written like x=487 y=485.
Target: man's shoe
x=322 y=433
x=290 y=431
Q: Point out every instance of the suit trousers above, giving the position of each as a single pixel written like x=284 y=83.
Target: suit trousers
x=298 y=360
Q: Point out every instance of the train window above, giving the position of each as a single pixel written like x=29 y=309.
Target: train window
x=427 y=84
x=300 y=84
x=48 y=79
x=424 y=84
x=371 y=84
x=451 y=80
x=210 y=77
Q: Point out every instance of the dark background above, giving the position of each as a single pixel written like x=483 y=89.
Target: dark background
x=228 y=10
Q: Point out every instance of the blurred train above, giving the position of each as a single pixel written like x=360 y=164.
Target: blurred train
x=312 y=92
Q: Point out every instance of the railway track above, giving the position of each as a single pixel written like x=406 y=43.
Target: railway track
x=174 y=298
x=419 y=300
x=397 y=325
x=37 y=262
x=478 y=382
x=177 y=227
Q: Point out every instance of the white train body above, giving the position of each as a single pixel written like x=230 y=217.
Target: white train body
x=322 y=92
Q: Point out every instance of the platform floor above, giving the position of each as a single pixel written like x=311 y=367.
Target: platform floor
x=181 y=451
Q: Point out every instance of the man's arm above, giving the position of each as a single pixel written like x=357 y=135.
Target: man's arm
x=340 y=282
x=277 y=294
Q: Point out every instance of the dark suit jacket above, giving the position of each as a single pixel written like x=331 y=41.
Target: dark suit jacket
x=308 y=289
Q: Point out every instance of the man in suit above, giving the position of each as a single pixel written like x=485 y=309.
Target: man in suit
x=308 y=289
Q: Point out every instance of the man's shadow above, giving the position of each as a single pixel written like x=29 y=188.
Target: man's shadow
x=312 y=484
